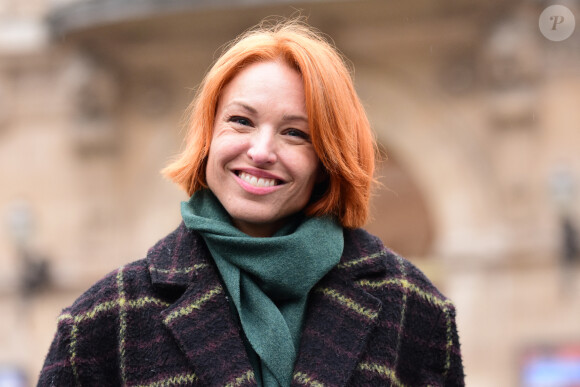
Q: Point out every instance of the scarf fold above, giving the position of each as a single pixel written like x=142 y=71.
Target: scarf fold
x=268 y=279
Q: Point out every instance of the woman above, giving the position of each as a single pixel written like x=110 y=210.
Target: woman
x=268 y=280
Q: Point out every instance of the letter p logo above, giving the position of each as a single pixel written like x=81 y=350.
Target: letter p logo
x=557 y=20
x=557 y=23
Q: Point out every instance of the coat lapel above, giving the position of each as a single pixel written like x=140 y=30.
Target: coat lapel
x=202 y=325
x=339 y=321
x=200 y=319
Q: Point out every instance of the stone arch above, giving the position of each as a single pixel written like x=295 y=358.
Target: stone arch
x=399 y=214
x=436 y=140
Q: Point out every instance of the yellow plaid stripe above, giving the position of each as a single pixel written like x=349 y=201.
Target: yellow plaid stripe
x=305 y=380
x=122 y=324
x=72 y=352
x=185 y=270
x=385 y=372
x=429 y=297
x=197 y=304
x=241 y=380
x=449 y=340
x=191 y=378
x=173 y=381
x=361 y=260
x=109 y=305
x=348 y=302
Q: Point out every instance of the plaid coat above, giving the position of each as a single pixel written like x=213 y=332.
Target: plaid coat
x=374 y=320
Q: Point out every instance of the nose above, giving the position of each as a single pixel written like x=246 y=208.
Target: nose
x=262 y=147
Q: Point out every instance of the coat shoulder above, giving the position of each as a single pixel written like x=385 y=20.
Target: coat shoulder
x=153 y=279
x=364 y=249
x=106 y=292
x=416 y=318
x=120 y=311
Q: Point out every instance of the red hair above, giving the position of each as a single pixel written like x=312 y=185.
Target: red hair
x=340 y=131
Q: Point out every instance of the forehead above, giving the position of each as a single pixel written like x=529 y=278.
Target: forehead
x=263 y=80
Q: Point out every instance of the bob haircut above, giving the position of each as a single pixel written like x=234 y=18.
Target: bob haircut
x=340 y=131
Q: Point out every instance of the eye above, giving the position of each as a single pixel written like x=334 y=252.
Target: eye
x=240 y=120
x=297 y=133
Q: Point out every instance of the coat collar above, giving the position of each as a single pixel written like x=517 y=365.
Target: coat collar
x=199 y=319
x=339 y=320
x=176 y=259
x=179 y=257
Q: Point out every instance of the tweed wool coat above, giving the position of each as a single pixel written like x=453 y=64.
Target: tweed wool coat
x=373 y=320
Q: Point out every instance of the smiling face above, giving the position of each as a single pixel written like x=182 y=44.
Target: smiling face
x=261 y=165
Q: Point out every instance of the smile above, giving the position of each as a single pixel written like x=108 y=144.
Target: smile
x=257 y=181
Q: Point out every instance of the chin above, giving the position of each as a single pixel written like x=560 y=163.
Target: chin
x=255 y=221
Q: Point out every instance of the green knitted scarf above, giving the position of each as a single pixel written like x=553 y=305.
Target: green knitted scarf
x=268 y=279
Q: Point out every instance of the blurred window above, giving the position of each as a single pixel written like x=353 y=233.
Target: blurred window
x=557 y=366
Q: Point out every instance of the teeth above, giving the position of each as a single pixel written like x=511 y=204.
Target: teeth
x=256 y=182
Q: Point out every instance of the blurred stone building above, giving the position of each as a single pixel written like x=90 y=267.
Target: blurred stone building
x=477 y=112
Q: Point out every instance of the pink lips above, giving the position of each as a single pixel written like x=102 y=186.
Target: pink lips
x=257 y=182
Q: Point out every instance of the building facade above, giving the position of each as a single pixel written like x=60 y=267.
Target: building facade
x=475 y=110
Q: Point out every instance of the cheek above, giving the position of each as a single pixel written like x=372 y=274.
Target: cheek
x=224 y=149
x=209 y=170
x=306 y=166
x=214 y=160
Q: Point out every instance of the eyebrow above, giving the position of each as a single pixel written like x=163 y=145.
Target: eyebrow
x=292 y=117
x=286 y=117
x=244 y=106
